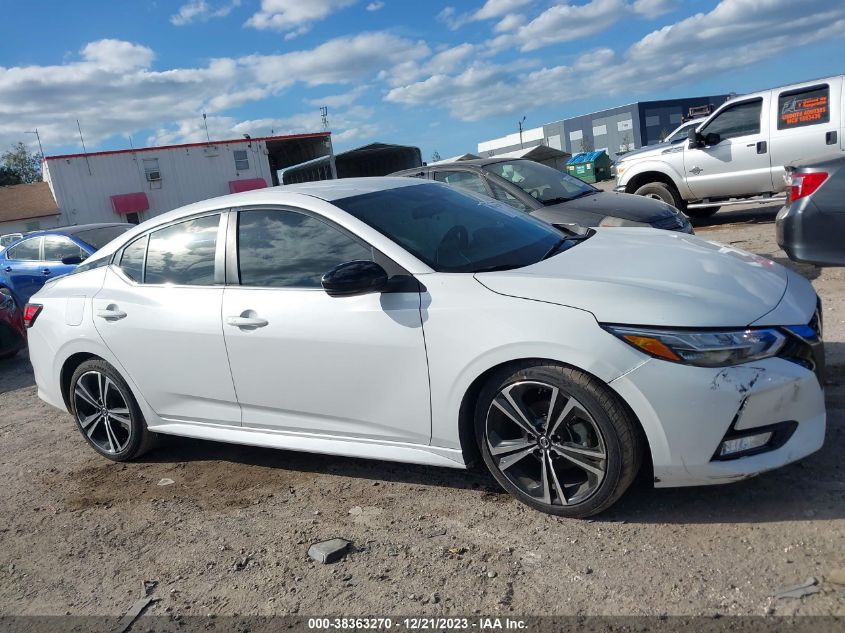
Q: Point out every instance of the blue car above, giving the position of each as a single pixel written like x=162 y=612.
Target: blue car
x=30 y=261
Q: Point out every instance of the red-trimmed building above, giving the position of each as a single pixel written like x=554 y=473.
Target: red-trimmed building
x=136 y=184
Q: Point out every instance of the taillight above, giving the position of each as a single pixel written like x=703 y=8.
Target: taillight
x=803 y=185
x=30 y=313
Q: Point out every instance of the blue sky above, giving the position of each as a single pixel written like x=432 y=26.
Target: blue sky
x=442 y=74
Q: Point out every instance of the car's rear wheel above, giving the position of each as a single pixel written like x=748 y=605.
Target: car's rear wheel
x=107 y=414
x=557 y=439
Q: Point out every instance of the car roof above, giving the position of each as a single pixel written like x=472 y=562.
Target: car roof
x=73 y=230
x=475 y=164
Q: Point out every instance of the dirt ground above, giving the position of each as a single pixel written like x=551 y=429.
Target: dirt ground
x=79 y=534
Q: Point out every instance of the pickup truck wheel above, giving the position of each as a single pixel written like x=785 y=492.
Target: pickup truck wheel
x=704 y=212
x=662 y=192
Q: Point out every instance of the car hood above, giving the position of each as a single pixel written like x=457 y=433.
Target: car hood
x=620 y=205
x=650 y=277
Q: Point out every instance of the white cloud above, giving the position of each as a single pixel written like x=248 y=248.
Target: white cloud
x=294 y=16
x=375 y=6
x=117 y=55
x=200 y=10
x=489 y=10
x=654 y=8
x=340 y=100
x=742 y=31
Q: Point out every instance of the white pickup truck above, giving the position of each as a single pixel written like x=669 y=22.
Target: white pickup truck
x=737 y=154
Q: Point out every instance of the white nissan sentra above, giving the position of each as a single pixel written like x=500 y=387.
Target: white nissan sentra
x=402 y=320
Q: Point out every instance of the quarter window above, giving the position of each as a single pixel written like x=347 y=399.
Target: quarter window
x=807 y=106
x=183 y=254
x=741 y=119
x=462 y=180
x=132 y=260
x=28 y=250
x=241 y=160
x=286 y=249
x=57 y=248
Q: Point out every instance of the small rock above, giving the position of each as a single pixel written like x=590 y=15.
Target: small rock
x=356 y=511
x=437 y=532
x=837 y=576
x=806 y=588
x=329 y=551
x=491 y=574
x=434 y=598
x=165 y=482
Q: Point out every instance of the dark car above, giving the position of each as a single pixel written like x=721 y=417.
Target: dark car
x=810 y=228
x=12 y=331
x=29 y=262
x=551 y=195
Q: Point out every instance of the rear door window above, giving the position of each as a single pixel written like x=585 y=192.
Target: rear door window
x=28 y=250
x=183 y=254
x=463 y=180
x=807 y=106
x=132 y=259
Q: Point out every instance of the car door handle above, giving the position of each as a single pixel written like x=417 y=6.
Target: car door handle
x=246 y=322
x=8 y=269
x=46 y=271
x=111 y=313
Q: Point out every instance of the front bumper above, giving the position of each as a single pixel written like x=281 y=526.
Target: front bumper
x=687 y=411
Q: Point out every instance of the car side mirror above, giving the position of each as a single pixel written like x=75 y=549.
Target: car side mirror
x=71 y=260
x=712 y=139
x=354 y=278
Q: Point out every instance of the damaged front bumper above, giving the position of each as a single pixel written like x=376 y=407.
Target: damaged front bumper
x=687 y=412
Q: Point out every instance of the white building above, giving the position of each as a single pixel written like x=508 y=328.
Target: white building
x=136 y=184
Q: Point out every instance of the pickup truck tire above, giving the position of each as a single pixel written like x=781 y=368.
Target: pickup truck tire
x=661 y=191
x=704 y=212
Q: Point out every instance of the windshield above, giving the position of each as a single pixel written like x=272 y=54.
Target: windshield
x=681 y=133
x=99 y=237
x=546 y=184
x=453 y=231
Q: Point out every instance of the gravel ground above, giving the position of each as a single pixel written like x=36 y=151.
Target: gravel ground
x=79 y=534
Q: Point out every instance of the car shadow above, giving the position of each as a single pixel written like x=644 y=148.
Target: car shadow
x=760 y=215
x=16 y=373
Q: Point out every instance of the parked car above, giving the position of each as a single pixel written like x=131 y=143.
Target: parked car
x=551 y=195
x=739 y=153
x=12 y=332
x=403 y=320
x=27 y=263
x=811 y=226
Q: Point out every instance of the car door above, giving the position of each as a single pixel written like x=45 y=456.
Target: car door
x=159 y=313
x=56 y=248
x=305 y=362
x=735 y=158
x=23 y=268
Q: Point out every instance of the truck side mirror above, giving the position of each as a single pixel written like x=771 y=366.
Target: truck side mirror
x=695 y=139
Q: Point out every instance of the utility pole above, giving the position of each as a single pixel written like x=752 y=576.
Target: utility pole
x=520 y=132
x=38 y=136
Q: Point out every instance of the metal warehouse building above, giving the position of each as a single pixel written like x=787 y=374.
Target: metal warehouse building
x=615 y=130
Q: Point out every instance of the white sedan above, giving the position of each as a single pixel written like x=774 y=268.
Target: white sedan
x=402 y=320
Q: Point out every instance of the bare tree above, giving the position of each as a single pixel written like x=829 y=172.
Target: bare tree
x=586 y=144
x=435 y=156
x=627 y=145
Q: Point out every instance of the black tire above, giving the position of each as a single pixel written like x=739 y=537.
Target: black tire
x=704 y=212
x=614 y=432
x=130 y=440
x=662 y=191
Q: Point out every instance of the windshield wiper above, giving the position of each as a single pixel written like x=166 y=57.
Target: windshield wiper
x=497 y=267
x=560 y=199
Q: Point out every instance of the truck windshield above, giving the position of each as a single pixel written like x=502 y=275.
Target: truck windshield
x=546 y=184
x=453 y=231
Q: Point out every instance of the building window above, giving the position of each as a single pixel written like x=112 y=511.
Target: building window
x=241 y=160
x=627 y=124
x=133 y=218
x=151 y=170
x=577 y=135
x=598 y=130
x=652 y=121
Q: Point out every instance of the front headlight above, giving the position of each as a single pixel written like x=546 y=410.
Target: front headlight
x=703 y=348
x=614 y=221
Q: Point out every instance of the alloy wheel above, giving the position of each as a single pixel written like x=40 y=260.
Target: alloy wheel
x=102 y=412
x=545 y=443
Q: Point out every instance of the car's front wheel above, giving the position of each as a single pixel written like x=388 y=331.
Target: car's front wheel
x=106 y=412
x=557 y=439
